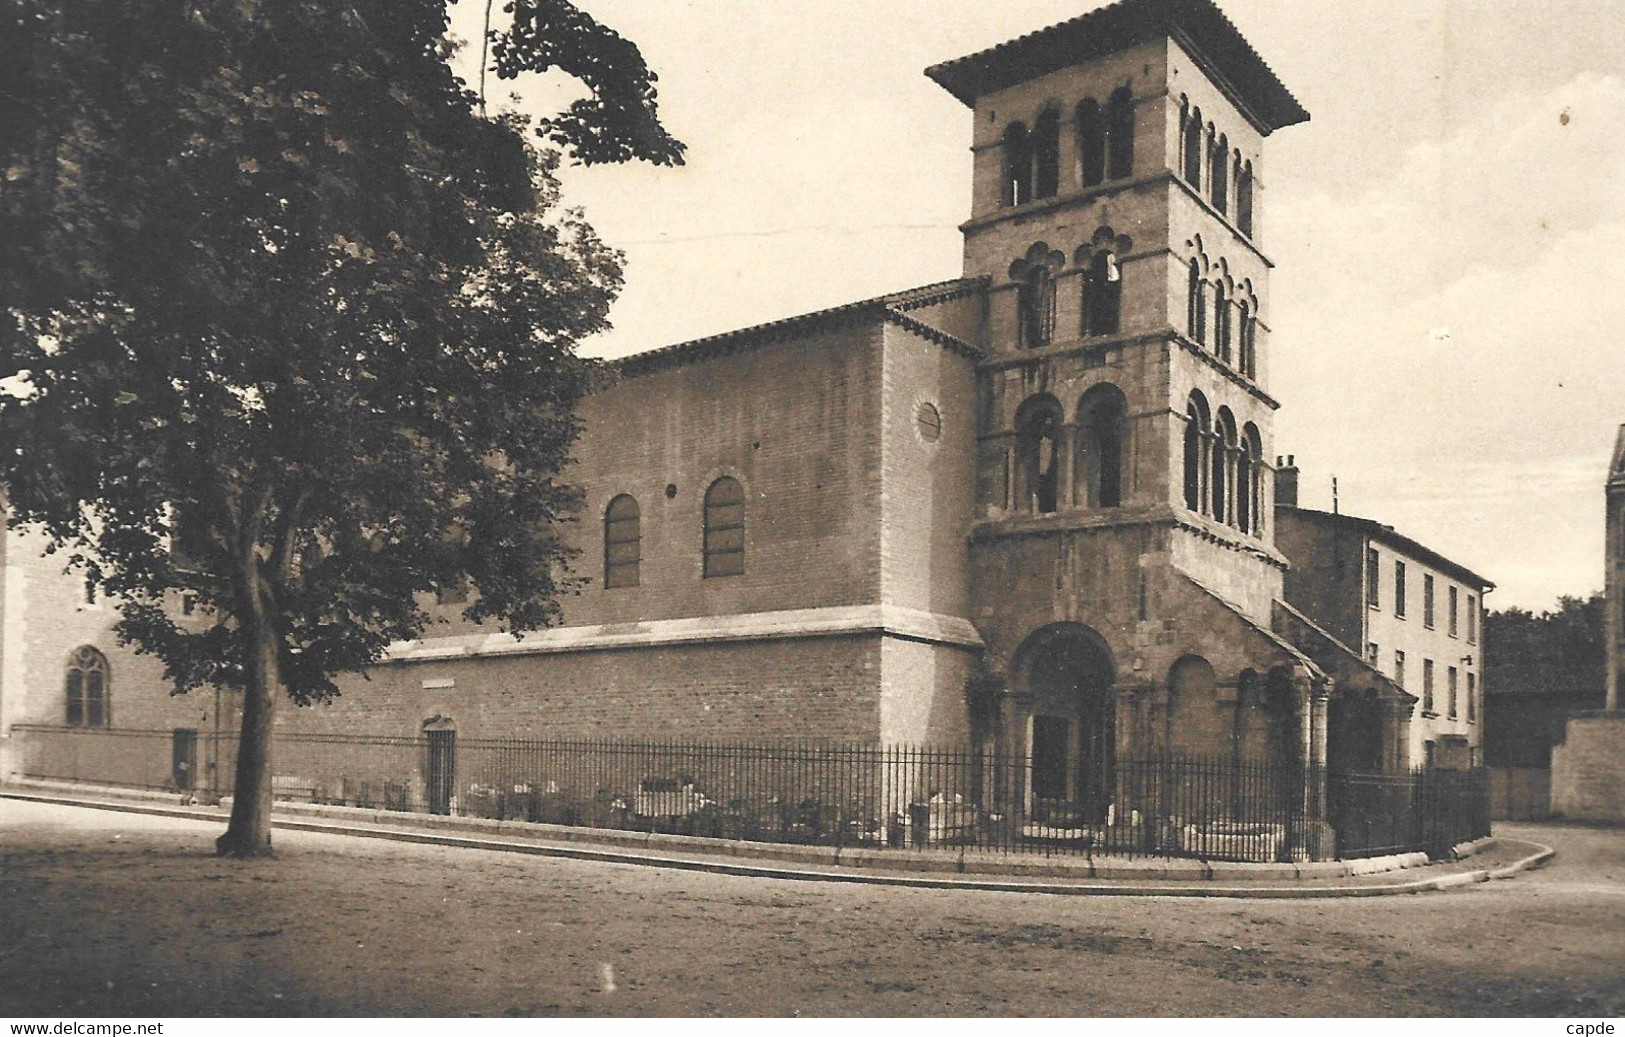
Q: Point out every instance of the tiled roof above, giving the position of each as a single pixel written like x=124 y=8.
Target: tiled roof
x=1198 y=25
x=891 y=308
x=1394 y=538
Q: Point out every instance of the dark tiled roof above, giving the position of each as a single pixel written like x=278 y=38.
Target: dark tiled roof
x=891 y=308
x=1377 y=531
x=1198 y=25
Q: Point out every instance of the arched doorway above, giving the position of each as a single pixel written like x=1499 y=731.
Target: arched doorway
x=1065 y=674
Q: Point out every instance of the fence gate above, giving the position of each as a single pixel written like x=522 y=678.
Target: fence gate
x=442 y=770
x=183 y=758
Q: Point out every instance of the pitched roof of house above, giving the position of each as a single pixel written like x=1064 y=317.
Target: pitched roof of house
x=892 y=308
x=1199 y=26
x=1391 y=536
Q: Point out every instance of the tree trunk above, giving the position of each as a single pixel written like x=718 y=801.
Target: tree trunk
x=248 y=834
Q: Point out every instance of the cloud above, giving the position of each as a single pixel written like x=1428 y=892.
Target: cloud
x=1463 y=318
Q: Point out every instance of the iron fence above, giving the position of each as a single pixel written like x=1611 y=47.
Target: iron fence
x=894 y=798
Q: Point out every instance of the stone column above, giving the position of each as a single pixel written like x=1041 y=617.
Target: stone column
x=1066 y=448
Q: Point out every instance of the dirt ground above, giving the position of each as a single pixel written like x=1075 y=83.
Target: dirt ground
x=106 y=913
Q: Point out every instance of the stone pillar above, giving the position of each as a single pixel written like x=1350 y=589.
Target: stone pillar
x=1066 y=447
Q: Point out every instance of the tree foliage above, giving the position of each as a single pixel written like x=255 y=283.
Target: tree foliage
x=1559 y=651
x=278 y=295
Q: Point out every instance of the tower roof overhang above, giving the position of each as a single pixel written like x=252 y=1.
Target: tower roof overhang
x=1197 y=25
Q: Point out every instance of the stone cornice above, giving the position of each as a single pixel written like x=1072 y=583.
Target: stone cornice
x=791 y=624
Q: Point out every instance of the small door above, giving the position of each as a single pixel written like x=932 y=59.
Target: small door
x=183 y=757
x=442 y=770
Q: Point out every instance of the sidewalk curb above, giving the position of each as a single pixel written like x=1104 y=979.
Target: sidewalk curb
x=717 y=867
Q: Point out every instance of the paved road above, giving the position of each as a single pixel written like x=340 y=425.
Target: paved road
x=122 y=914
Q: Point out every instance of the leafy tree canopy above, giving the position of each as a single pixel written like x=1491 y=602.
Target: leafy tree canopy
x=277 y=293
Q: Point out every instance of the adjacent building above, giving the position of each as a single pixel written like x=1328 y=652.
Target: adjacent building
x=1414 y=614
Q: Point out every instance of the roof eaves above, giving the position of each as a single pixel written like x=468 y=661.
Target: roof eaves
x=1394 y=537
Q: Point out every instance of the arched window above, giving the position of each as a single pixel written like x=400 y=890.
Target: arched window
x=1091 y=142
x=1221 y=484
x=1046 y=146
x=1197 y=306
x=1103 y=294
x=1249 y=338
x=623 y=549
x=1193 y=149
x=1102 y=430
x=1120 y=133
x=1221 y=175
x=1244 y=197
x=725 y=528
x=1196 y=439
x=88 y=687
x=1018 y=165
x=1250 y=479
x=1221 y=322
x=1037 y=301
x=1038 y=454
x=1244 y=355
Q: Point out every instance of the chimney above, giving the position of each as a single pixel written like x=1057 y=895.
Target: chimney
x=1286 y=482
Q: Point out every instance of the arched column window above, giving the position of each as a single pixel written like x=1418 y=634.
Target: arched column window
x=1038 y=454
x=1221 y=322
x=1046 y=148
x=1102 y=435
x=1120 y=134
x=1103 y=294
x=1091 y=129
x=1037 y=308
x=1018 y=165
x=1196 y=437
x=1196 y=315
x=1252 y=449
x=1193 y=149
x=1221 y=175
x=1249 y=331
x=1222 y=482
x=1244 y=197
x=725 y=528
x=1244 y=354
x=622 y=542
x=88 y=685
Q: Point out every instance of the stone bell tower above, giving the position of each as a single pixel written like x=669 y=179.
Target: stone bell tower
x=1123 y=541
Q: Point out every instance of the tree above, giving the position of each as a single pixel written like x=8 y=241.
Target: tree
x=1561 y=650
x=276 y=292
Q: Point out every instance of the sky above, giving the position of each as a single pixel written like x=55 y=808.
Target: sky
x=1448 y=229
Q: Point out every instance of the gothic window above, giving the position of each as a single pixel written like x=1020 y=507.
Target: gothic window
x=1196 y=318
x=725 y=528
x=1221 y=175
x=1102 y=294
x=622 y=542
x=88 y=687
x=1102 y=427
x=1196 y=438
x=1038 y=450
x=1120 y=134
x=1193 y=149
x=1046 y=148
x=1091 y=142
x=1244 y=197
x=1037 y=301
x=1018 y=165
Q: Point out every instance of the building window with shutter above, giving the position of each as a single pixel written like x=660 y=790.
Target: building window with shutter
x=1472 y=697
x=1472 y=620
x=1427 y=601
x=1427 y=685
x=1399 y=589
x=1450 y=691
x=1373 y=578
x=725 y=528
x=1454 y=610
x=623 y=548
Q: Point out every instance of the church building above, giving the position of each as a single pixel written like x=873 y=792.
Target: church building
x=1028 y=510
